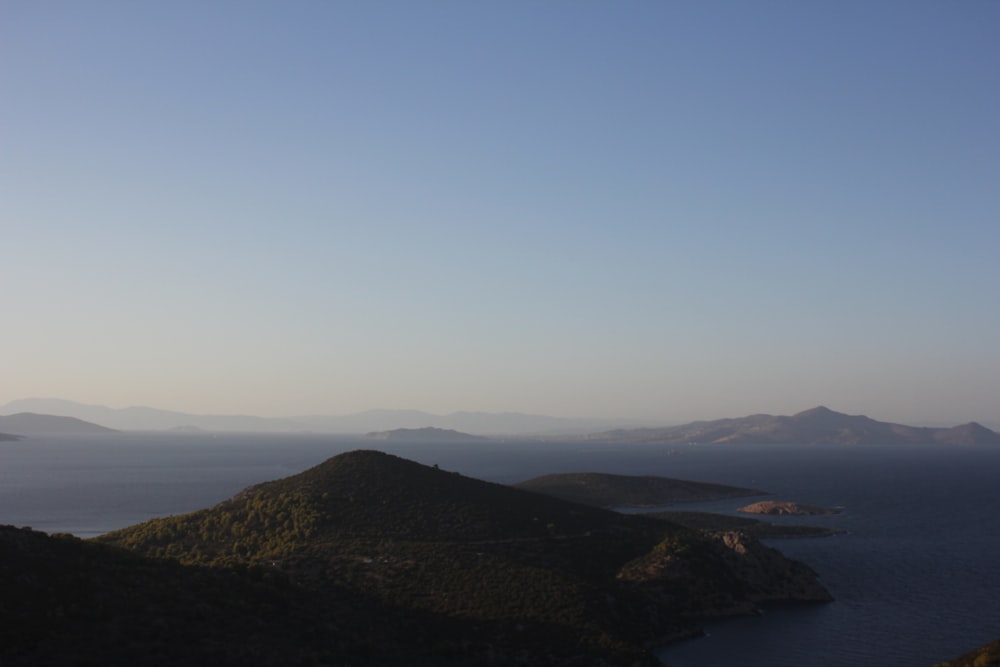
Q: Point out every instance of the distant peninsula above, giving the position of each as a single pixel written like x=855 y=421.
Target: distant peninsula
x=606 y=490
x=779 y=507
x=818 y=426
x=8 y=437
x=428 y=434
x=30 y=423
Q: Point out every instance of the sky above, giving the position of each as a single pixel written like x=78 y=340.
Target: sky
x=662 y=211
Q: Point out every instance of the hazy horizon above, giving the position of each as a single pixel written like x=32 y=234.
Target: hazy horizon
x=573 y=423
x=652 y=211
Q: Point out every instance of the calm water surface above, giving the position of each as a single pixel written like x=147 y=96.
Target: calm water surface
x=916 y=579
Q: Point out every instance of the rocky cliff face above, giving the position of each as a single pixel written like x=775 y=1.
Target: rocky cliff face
x=769 y=575
x=754 y=574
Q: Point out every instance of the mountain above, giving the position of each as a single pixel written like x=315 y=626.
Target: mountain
x=606 y=490
x=453 y=570
x=428 y=434
x=153 y=419
x=29 y=423
x=816 y=426
x=149 y=419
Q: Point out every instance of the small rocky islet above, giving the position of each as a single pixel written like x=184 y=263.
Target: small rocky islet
x=785 y=507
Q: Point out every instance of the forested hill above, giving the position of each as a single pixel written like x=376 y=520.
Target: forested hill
x=472 y=572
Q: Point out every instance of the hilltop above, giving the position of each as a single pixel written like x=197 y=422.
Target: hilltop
x=470 y=572
x=819 y=425
x=30 y=423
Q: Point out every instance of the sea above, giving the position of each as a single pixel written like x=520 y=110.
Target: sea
x=915 y=577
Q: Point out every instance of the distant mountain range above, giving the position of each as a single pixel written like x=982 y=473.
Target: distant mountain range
x=816 y=426
x=152 y=419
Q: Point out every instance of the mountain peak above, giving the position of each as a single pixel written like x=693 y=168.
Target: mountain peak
x=818 y=411
x=972 y=433
x=819 y=425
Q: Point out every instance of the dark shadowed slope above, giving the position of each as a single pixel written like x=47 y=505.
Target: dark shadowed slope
x=70 y=602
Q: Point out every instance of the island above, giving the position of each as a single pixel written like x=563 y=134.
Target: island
x=818 y=426
x=607 y=490
x=632 y=491
x=423 y=435
x=30 y=423
x=9 y=437
x=785 y=507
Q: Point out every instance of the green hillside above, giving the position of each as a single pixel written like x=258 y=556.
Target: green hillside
x=369 y=557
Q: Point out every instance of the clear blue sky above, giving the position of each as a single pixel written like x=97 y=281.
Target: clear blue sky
x=658 y=210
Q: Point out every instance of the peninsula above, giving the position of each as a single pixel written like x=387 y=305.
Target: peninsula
x=370 y=558
x=606 y=490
